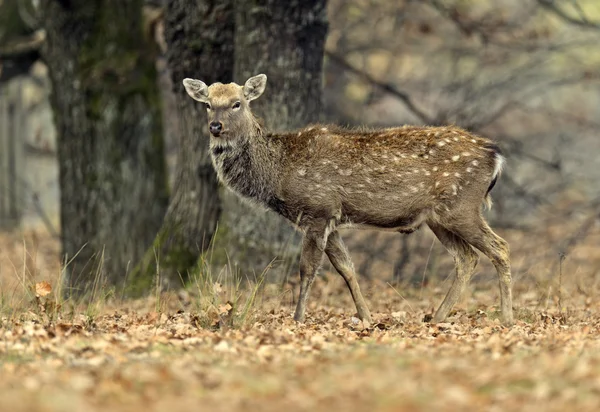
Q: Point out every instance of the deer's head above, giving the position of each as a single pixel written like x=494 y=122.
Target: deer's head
x=227 y=105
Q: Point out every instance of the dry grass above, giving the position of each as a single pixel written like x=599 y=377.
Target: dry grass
x=192 y=350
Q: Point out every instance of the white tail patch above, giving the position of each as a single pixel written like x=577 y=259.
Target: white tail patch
x=498 y=167
x=500 y=162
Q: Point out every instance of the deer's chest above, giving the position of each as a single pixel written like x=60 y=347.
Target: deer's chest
x=236 y=171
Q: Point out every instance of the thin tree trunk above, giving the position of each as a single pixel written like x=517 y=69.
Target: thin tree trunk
x=110 y=147
x=199 y=36
x=284 y=40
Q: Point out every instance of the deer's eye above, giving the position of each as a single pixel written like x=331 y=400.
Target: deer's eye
x=207 y=106
x=236 y=105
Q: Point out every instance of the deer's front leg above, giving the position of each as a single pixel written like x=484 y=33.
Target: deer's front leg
x=313 y=245
x=340 y=259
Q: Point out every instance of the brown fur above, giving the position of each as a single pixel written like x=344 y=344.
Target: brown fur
x=322 y=178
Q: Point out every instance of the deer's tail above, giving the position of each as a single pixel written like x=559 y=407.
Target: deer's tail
x=499 y=162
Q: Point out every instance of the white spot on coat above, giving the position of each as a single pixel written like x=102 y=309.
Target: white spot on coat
x=455 y=158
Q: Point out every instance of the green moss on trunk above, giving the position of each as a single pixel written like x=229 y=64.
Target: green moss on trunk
x=167 y=263
x=200 y=44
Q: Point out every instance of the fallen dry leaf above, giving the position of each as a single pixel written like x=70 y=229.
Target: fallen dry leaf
x=160 y=353
x=42 y=288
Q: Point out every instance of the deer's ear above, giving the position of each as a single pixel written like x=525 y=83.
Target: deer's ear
x=254 y=87
x=197 y=89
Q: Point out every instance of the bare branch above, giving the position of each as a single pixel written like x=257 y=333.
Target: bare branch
x=582 y=21
x=24 y=45
x=486 y=28
x=26 y=16
x=532 y=198
x=401 y=95
x=583 y=230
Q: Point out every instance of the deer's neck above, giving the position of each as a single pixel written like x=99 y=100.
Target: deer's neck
x=248 y=165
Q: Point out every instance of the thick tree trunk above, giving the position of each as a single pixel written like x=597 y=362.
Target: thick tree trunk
x=110 y=147
x=284 y=40
x=199 y=36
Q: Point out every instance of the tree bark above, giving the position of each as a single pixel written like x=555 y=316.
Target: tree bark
x=110 y=147
x=284 y=40
x=199 y=36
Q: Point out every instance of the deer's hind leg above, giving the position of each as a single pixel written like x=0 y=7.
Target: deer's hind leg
x=465 y=260
x=481 y=236
x=340 y=259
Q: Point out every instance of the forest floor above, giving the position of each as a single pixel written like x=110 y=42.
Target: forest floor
x=225 y=348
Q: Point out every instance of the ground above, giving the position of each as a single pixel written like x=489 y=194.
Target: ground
x=222 y=346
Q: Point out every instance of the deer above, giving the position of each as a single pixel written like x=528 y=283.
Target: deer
x=323 y=178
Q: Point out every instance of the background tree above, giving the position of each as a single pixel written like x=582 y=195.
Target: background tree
x=199 y=39
x=285 y=41
x=110 y=146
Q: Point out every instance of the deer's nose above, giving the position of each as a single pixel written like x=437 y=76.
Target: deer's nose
x=215 y=128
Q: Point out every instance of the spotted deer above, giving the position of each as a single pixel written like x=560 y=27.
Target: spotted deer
x=324 y=178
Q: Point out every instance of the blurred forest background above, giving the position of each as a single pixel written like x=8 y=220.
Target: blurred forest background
x=103 y=157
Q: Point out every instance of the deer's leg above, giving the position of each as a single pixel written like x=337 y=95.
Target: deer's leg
x=340 y=259
x=465 y=259
x=482 y=237
x=313 y=246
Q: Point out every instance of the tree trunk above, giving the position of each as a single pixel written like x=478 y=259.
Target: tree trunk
x=199 y=36
x=110 y=147
x=284 y=40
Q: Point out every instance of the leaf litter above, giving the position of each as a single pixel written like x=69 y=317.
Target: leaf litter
x=132 y=356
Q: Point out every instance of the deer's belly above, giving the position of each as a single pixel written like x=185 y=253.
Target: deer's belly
x=403 y=222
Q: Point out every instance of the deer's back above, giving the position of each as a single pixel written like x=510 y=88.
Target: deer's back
x=385 y=177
